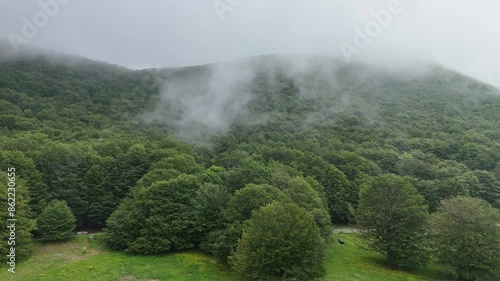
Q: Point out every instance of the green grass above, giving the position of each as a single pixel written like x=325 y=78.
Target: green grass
x=354 y=261
x=70 y=261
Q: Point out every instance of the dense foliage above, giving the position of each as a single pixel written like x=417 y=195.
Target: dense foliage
x=15 y=234
x=56 y=222
x=393 y=215
x=466 y=237
x=280 y=241
x=126 y=151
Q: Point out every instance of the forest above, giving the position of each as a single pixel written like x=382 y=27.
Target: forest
x=252 y=161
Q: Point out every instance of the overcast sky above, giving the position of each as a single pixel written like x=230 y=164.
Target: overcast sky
x=463 y=35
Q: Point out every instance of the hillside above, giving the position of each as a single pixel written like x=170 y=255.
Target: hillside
x=188 y=146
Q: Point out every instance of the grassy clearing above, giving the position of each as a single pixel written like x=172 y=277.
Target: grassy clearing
x=354 y=261
x=81 y=260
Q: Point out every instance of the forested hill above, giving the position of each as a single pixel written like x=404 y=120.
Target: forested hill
x=89 y=133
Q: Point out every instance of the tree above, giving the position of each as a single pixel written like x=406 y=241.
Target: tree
x=300 y=192
x=26 y=167
x=122 y=226
x=223 y=237
x=134 y=164
x=156 y=219
x=56 y=222
x=490 y=188
x=102 y=200
x=392 y=215
x=63 y=167
x=466 y=237
x=280 y=241
x=209 y=203
x=24 y=224
x=249 y=171
x=251 y=198
x=336 y=185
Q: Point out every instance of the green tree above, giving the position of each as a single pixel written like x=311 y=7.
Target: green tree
x=102 y=200
x=133 y=165
x=63 y=167
x=339 y=192
x=251 y=198
x=299 y=191
x=156 y=219
x=490 y=188
x=466 y=237
x=239 y=207
x=280 y=241
x=154 y=175
x=209 y=203
x=221 y=242
x=248 y=171
x=25 y=167
x=24 y=224
x=122 y=226
x=56 y=222
x=392 y=215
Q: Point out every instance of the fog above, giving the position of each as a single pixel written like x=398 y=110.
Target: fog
x=463 y=35
x=314 y=38
x=212 y=96
x=199 y=102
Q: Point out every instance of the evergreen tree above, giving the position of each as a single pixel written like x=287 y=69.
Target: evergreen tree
x=56 y=222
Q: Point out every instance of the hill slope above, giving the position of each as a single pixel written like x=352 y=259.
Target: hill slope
x=310 y=130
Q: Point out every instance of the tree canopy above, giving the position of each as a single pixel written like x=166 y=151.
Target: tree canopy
x=281 y=240
x=393 y=215
x=466 y=236
x=56 y=222
x=163 y=162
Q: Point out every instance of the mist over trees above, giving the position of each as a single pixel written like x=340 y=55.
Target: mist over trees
x=129 y=151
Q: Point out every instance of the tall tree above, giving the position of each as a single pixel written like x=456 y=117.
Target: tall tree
x=392 y=215
x=156 y=219
x=240 y=206
x=280 y=241
x=466 y=237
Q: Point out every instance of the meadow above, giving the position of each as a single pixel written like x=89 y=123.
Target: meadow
x=354 y=261
x=81 y=260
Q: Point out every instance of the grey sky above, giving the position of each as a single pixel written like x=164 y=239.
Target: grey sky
x=464 y=35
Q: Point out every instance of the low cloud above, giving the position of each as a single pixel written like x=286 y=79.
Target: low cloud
x=202 y=99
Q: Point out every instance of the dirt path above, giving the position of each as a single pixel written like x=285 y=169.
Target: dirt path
x=345 y=230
